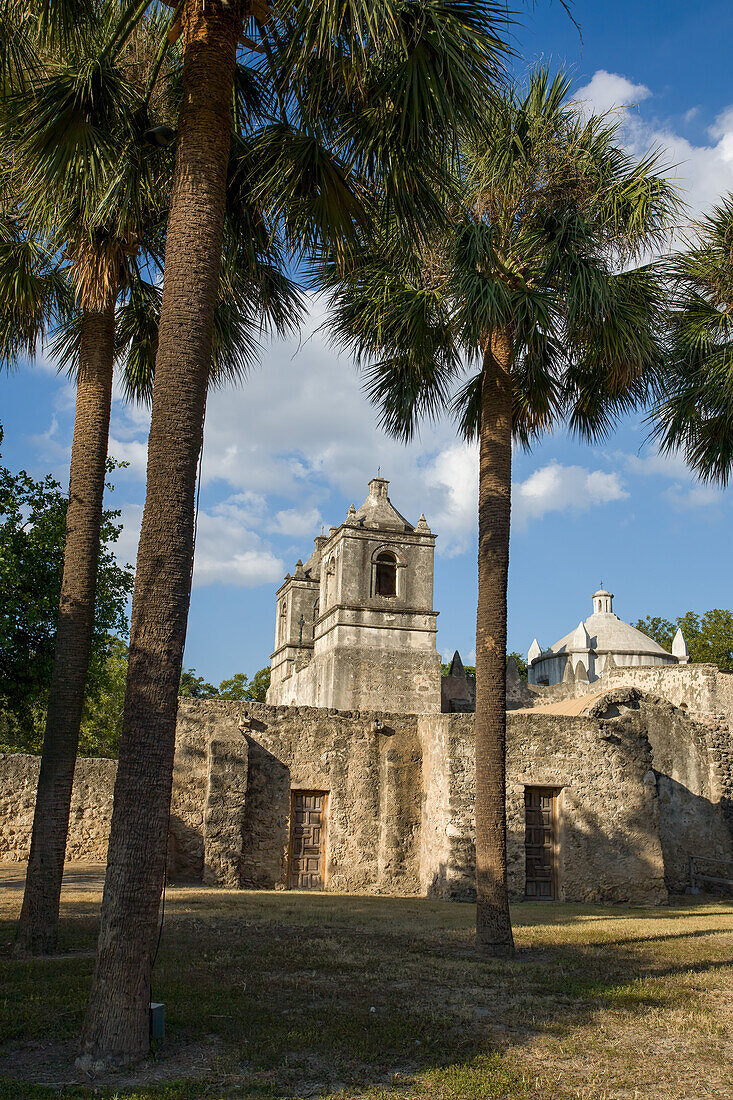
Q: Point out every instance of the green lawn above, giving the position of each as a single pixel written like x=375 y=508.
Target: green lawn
x=294 y=995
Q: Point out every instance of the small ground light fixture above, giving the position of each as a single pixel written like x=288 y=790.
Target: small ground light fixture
x=157 y=1020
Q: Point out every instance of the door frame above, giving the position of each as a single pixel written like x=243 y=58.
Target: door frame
x=322 y=864
x=555 y=791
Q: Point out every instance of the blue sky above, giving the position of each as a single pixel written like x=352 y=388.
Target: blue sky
x=289 y=451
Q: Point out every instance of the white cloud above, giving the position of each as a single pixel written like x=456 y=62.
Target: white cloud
x=44 y=361
x=132 y=451
x=228 y=551
x=687 y=493
x=556 y=488
x=662 y=465
x=299 y=429
x=702 y=172
x=53 y=449
x=608 y=91
x=296 y=521
x=683 y=498
x=451 y=479
x=126 y=546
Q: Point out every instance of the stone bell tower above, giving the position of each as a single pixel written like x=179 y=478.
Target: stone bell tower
x=355 y=625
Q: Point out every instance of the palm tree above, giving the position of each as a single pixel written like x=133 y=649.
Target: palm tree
x=113 y=232
x=355 y=90
x=526 y=290
x=58 y=187
x=695 y=415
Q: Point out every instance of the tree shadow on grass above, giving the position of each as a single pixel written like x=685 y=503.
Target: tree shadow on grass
x=288 y=995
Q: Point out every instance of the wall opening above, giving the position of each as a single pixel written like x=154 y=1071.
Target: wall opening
x=540 y=843
x=307 y=851
x=386 y=574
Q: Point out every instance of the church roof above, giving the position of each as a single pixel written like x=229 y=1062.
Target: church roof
x=378 y=510
x=606 y=633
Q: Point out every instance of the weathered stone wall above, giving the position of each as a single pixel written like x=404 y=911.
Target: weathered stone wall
x=408 y=678
x=692 y=817
x=448 y=834
x=699 y=689
x=91 y=807
x=371 y=771
x=704 y=771
x=640 y=786
x=609 y=846
x=694 y=688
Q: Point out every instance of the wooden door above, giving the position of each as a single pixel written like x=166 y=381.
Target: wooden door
x=540 y=817
x=307 y=840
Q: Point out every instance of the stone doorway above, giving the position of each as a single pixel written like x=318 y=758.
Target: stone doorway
x=540 y=843
x=306 y=860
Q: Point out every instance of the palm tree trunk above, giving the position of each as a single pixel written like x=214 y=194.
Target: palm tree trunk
x=493 y=923
x=116 y=1028
x=38 y=926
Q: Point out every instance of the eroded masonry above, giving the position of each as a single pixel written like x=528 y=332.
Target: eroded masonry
x=357 y=775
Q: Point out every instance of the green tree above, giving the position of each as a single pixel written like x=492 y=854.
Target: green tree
x=195 y=687
x=709 y=637
x=240 y=687
x=101 y=723
x=69 y=136
x=521 y=664
x=94 y=189
x=534 y=287
x=359 y=97
x=32 y=530
x=661 y=630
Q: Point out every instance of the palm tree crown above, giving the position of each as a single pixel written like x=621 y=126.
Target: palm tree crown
x=695 y=415
x=551 y=215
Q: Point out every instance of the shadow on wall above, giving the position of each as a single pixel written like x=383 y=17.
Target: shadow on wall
x=185 y=850
x=591 y=864
x=266 y=826
x=690 y=825
x=454 y=883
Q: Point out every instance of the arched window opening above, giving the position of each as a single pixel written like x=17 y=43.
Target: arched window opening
x=386 y=574
x=316 y=609
x=330 y=582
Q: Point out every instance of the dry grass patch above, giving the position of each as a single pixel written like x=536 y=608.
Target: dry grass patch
x=274 y=994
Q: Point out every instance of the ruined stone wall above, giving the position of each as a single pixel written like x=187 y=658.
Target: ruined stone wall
x=609 y=846
x=690 y=786
x=691 y=687
x=448 y=834
x=640 y=785
x=608 y=816
x=699 y=689
x=91 y=807
x=368 y=763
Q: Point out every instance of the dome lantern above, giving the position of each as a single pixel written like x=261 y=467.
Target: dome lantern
x=602 y=602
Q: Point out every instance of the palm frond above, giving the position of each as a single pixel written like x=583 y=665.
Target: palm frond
x=693 y=414
x=34 y=292
x=136 y=337
x=305 y=188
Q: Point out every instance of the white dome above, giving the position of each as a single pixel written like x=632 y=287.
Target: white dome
x=600 y=640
